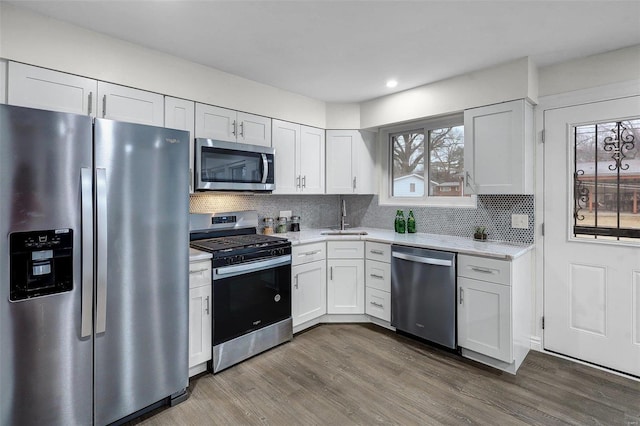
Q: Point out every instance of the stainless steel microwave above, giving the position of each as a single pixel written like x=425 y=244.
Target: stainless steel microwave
x=231 y=166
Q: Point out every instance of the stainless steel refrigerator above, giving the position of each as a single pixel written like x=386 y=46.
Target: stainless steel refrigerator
x=93 y=267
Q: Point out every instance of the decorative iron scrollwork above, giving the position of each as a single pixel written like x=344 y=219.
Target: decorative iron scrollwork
x=621 y=141
x=581 y=195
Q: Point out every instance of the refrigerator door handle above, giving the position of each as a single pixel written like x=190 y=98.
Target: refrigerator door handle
x=86 y=327
x=101 y=217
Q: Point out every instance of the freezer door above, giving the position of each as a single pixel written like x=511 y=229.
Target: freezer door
x=142 y=240
x=45 y=362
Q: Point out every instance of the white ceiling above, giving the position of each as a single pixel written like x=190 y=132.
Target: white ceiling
x=344 y=51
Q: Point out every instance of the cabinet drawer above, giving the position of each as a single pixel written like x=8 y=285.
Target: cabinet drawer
x=345 y=249
x=378 y=251
x=378 y=275
x=308 y=253
x=378 y=304
x=485 y=269
x=199 y=273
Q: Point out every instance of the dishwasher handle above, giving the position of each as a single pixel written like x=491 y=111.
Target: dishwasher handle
x=419 y=259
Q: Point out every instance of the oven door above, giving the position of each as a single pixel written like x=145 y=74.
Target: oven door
x=228 y=166
x=249 y=296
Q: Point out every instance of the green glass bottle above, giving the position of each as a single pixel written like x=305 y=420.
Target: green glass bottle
x=397 y=221
x=411 y=223
x=402 y=224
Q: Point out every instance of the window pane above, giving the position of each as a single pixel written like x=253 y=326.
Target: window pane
x=607 y=180
x=408 y=164
x=446 y=162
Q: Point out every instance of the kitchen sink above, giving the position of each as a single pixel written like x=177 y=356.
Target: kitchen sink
x=343 y=233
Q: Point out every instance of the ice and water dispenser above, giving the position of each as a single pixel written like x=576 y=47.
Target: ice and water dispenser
x=41 y=263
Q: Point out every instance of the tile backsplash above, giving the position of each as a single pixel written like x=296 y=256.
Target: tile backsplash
x=323 y=211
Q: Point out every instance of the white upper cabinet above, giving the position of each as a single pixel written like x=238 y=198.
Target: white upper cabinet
x=228 y=125
x=3 y=81
x=180 y=114
x=350 y=162
x=299 y=158
x=41 y=88
x=499 y=149
x=131 y=105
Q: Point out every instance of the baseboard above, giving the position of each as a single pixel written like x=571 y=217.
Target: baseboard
x=536 y=343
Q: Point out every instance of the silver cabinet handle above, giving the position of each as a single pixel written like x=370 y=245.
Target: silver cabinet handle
x=461 y=295
x=206 y=310
x=296 y=284
x=379 y=305
x=90 y=103
x=376 y=252
x=190 y=179
x=483 y=270
x=104 y=106
x=233 y=132
x=377 y=276
x=427 y=260
x=86 y=327
x=298 y=182
x=331 y=273
x=304 y=181
x=311 y=253
x=242 y=129
x=197 y=271
x=354 y=183
x=101 y=273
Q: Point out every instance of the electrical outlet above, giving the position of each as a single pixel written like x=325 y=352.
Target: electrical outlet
x=285 y=213
x=520 y=221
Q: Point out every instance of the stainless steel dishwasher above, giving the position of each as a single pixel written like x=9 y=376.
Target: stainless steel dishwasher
x=423 y=293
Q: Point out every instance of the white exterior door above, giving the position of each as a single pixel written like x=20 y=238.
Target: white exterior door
x=34 y=87
x=591 y=286
x=131 y=105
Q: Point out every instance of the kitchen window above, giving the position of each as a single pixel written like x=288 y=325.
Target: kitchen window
x=423 y=164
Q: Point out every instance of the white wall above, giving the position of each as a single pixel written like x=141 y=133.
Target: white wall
x=343 y=116
x=35 y=39
x=598 y=70
x=488 y=86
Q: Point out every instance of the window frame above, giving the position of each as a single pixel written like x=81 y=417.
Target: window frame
x=385 y=197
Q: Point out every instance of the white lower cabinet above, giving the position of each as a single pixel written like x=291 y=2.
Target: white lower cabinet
x=378 y=280
x=378 y=304
x=345 y=283
x=494 y=310
x=200 y=314
x=308 y=284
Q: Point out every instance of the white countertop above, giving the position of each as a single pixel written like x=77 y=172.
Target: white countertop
x=490 y=248
x=195 y=255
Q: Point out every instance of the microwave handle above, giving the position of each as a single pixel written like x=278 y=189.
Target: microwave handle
x=265 y=168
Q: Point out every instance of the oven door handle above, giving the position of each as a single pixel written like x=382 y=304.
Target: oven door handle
x=229 y=271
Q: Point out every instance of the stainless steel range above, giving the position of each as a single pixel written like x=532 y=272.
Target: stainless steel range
x=251 y=282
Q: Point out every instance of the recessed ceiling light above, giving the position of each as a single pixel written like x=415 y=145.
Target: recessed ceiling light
x=392 y=83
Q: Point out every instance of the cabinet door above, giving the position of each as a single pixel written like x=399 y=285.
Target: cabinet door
x=131 y=105
x=367 y=176
x=286 y=141
x=199 y=325
x=309 y=292
x=180 y=114
x=484 y=318
x=378 y=304
x=345 y=286
x=312 y=160
x=254 y=129
x=3 y=81
x=495 y=145
x=41 y=88
x=216 y=123
x=341 y=170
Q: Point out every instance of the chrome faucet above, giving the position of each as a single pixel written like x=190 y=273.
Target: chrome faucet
x=343 y=215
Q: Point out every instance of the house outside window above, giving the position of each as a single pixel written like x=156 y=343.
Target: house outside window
x=423 y=164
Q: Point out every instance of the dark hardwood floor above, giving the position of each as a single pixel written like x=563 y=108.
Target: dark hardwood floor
x=343 y=374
